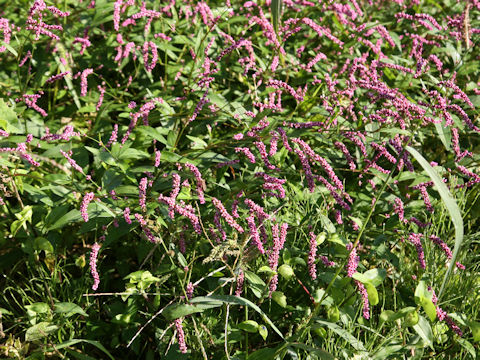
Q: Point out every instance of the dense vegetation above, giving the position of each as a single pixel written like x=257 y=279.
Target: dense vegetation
x=240 y=180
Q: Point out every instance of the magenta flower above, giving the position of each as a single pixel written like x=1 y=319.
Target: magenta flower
x=142 y=191
x=226 y=216
x=254 y=234
x=83 y=208
x=93 y=266
x=312 y=269
x=180 y=336
x=366 y=306
x=200 y=182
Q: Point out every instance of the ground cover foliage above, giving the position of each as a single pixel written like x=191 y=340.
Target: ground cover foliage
x=231 y=180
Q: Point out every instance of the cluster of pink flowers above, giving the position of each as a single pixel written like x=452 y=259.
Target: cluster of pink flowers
x=83 y=81
x=416 y=240
x=145 y=229
x=180 y=336
x=353 y=260
x=312 y=255
x=279 y=238
x=363 y=292
x=35 y=20
x=31 y=101
x=226 y=216
x=83 y=208
x=142 y=192
x=254 y=233
x=73 y=163
x=200 y=182
x=93 y=266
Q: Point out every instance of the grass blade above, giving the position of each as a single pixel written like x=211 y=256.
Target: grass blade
x=237 y=300
x=276 y=8
x=451 y=206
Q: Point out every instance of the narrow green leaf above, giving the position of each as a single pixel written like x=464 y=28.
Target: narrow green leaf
x=72 y=342
x=356 y=344
x=451 y=206
x=276 y=9
x=321 y=354
x=237 y=300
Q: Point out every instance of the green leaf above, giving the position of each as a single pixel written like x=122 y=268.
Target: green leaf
x=237 y=300
x=280 y=298
x=7 y=116
x=176 y=311
x=68 y=309
x=474 y=326
x=266 y=269
x=5 y=312
x=40 y=330
x=352 y=340
x=321 y=354
x=451 y=206
x=70 y=217
x=467 y=346
x=424 y=330
x=248 y=326
x=286 y=271
x=276 y=9
x=10 y=49
x=372 y=294
x=374 y=276
x=263 y=331
x=423 y=297
x=72 y=342
x=255 y=284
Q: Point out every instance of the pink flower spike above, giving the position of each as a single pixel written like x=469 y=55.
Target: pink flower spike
x=93 y=266
x=83 y=208
x=312 y=269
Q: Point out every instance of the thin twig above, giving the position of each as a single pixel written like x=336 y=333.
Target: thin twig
x=148 y=322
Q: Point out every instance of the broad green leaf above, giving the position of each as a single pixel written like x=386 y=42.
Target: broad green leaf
x=451 y=206
x=424 y=330
x=248 y=326
x=8 y=116
x=68 y=309
x=263 y=331
x=280 y=298
x=71 y=217
x=423 y=297
x=255 y=283
x=40 y=330
x=374 y=276
x=229 y=299
x=474 y=326
x=286 y=271
x=372 y=294
x=266 y=270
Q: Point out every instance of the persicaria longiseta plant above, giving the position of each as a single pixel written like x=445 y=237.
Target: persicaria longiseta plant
x=239 y=179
